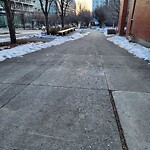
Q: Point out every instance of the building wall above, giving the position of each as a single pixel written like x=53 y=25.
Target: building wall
x=22 y=5
x=122 y=16
x=37 y=7
x=18 y=6
x=141 y=20
x=2 y=17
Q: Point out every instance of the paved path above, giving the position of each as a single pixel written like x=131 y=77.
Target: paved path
x=61 y=98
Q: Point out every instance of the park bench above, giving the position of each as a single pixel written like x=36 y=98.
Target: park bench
x=63 y=32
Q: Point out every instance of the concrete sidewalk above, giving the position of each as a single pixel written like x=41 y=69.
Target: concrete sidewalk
x=59 y=98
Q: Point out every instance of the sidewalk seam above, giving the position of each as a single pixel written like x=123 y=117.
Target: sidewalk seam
x=120 y=129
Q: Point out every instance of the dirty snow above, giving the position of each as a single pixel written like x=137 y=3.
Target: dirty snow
x=18 y=51
x=133 y=48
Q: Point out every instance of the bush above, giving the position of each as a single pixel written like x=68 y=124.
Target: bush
x=54 y=31
x=111 y=31
x=66 y=27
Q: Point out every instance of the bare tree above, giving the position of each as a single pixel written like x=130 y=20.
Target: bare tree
x=54 y=19
x=72 y=18
x=108 y=13
x=85 y=17
x=62 y=6
x=100 y=14
x=113 y=10
x=45 y=6
x=38 y=17
x=10 y=19
x=22 y=19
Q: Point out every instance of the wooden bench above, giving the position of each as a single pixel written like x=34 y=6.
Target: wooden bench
x=63 y=32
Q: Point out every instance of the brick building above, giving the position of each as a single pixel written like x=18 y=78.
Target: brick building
x=137 y=22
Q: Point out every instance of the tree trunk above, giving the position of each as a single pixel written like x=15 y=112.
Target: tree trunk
x=47 y=24
x=32 y=25
x=10 y=21
x=62 y=21
x=22 y=18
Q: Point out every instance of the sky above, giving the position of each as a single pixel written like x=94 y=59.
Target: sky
x=85 y=3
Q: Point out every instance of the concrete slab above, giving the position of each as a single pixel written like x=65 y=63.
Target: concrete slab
x=78 y=47
x=14 y=71
x=134 y=112
x=70 y=60
x=37 y=57
x=80 y=77
x=9 y=93
x=108 y=48
x=75 y=71
x=42 y=117
x=128 y=79
x=56 y=99
x=39 y=70
x=3 y=87
x=124 y=61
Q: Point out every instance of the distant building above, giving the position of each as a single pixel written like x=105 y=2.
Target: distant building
x=3 y=21
x=80 y=5
x=28 y=7
x=23 y=5
x=37 y=7
x=72 y=8
x=54 y=9
x=18 y=6
x=97 y=3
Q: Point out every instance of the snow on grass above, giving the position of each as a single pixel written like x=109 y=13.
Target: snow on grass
x=21 y=50
x=8 y=39
x=4 y=40
x=4 y=35
x=19 y=31
x=133 y=48
x=24 y=32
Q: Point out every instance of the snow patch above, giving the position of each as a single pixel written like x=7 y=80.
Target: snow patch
x=133 y=48
x=8 y=39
